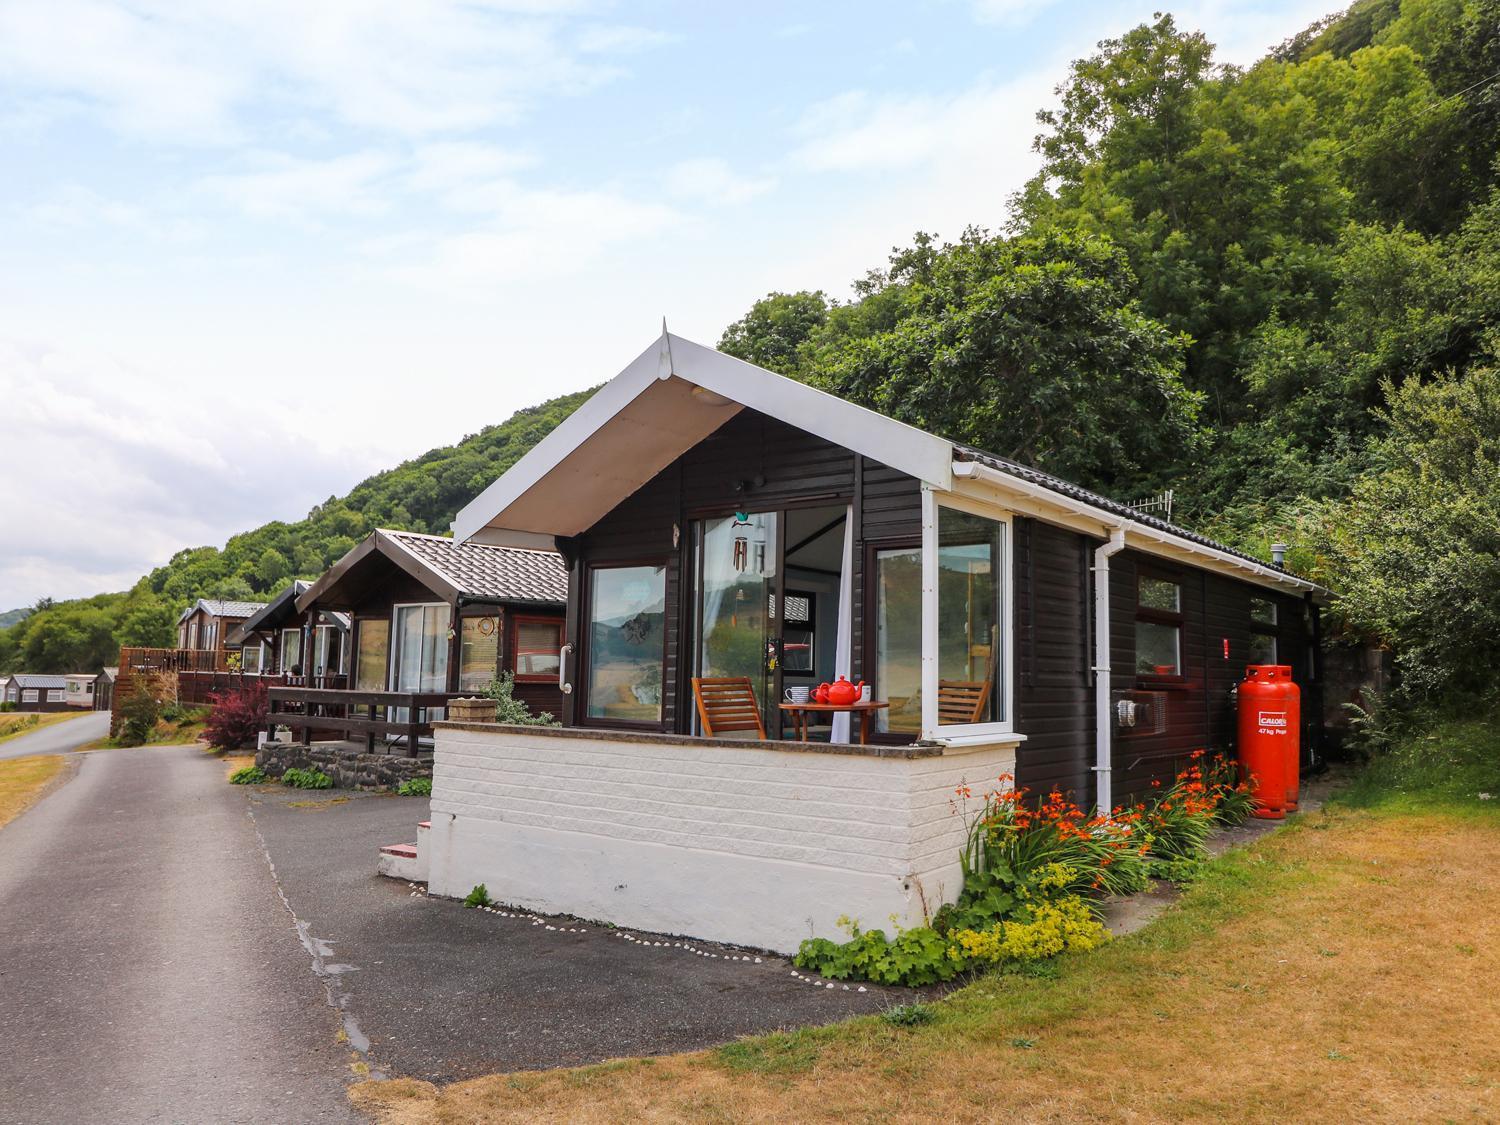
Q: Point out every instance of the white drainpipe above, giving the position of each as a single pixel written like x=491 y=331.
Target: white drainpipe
x=1103 y=719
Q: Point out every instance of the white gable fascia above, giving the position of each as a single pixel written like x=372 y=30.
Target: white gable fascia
x=737 y=384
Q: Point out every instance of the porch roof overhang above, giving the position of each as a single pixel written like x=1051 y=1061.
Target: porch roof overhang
x=671 y=397
x=676 y=393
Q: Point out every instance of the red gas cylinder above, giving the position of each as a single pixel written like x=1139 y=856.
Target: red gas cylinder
x=1270 y=713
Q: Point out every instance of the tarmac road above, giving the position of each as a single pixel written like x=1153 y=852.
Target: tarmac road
x=149 y=968
x=58 y=738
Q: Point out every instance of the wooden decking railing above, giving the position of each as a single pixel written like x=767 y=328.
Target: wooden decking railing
x=370 y=716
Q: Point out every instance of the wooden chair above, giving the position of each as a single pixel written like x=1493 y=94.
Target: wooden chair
x=962 y=701
x=725 y=704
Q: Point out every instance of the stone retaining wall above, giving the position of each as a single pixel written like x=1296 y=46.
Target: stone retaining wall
x=350 y=769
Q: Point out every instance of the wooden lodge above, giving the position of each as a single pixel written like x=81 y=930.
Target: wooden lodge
x=428 y=619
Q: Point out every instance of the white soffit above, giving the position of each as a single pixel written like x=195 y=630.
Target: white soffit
x=650 y=414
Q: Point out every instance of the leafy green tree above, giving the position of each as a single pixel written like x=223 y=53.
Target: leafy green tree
x=774 y=329
x=1415 y=549
x=1033 y=348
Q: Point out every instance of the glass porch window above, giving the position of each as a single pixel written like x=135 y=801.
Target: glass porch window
x=252 y=658
x=374 y=654
x=736 y=599
x=626 y=643
x=970 y=603
x=478 y=652
x=897 y=588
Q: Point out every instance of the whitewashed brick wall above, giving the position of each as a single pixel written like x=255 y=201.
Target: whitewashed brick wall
x=759 y=844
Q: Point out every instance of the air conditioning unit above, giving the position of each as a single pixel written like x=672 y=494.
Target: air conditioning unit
x=1140 y=712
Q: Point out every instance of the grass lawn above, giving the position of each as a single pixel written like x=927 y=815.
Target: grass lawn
x=23 y=780
x=166 y=733
x=1342 y=968
x=14 y=724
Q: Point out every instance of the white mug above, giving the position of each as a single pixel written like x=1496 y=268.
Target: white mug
x=797 y=694
x=864 y=694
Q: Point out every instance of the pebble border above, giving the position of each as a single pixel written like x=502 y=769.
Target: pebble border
x=625 y=935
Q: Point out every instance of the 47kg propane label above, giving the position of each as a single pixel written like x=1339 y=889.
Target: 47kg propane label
x=1272 y=722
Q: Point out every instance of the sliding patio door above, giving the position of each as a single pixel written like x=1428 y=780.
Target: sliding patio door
x=736 y=597
x=419 y=652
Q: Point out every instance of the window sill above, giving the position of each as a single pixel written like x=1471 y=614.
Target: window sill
x=973 y=741
x=1162 y=683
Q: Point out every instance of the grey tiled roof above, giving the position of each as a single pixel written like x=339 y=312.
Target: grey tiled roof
x=1084 y=495
x=479 y=570
x=26 y=680
x=216 y=607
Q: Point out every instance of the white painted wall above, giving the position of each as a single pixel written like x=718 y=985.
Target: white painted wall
x=751 y=844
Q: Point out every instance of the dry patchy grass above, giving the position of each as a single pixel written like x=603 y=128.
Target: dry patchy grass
x=23 y=781
x=13 y=724
x=1339 y=969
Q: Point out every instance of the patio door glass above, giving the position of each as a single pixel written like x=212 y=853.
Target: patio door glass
x=736 y=598
x=420 y=658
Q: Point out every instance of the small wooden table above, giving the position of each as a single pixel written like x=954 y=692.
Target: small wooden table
x=800 y=712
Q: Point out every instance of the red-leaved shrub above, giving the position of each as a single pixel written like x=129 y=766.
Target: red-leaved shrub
x=237 y=717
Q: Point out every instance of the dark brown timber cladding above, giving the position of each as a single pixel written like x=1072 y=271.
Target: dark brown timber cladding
x=1200 y=713
x=1053 y=692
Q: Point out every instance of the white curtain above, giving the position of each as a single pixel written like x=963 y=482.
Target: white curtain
x=842 y=652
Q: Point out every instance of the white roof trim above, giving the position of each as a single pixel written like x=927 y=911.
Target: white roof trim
x=736 y=385
x=1142 y=537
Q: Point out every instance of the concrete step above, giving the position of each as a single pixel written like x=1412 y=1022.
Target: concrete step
x=402 y=861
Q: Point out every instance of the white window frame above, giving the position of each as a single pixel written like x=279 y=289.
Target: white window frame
x=31 y=695
x=57 y=695
x=931 y=731
x=343 y=649
x=260 y=667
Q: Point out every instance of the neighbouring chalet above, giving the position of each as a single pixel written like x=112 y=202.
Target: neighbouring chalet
x=429 y=619
x=104 y=687
x=80 y=690
x=35 y=693
x=272 y=642
x=723 y=523
x=205 y=625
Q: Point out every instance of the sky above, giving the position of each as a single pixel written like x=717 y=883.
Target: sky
x=252 y=251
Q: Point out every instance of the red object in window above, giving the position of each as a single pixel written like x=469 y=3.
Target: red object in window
x=1269 y=722
x=1226 y=648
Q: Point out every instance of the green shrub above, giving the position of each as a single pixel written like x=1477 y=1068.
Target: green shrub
x=509 y=709
x=306 y=779
x=415 y=787
x=479 y=896
x=249 y=775
x=138 y=716
x=917 y=956
x=7 y=706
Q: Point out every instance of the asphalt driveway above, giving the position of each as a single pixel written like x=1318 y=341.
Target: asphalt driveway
x=150 y=970
x=442 y=992
x=58 y=738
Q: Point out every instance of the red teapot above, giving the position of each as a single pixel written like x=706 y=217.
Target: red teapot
x=841 y=693
x=820 y=693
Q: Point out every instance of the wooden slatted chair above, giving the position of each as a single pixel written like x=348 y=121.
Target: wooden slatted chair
x=962 y=701
x=725 y=704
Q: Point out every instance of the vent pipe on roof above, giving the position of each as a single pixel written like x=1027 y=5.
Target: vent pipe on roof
x=1103 y=722
x=1278 y=554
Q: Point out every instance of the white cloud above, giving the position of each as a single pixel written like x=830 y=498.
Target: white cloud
x=710 y=179
x=277 y=186
x=532 y=236
x=184 y=72
x=115 y=483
